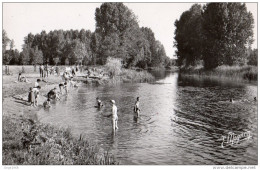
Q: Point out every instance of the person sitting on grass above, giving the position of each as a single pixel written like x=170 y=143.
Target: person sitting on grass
x=47 y=103
x=37 y=82
x=22 y=78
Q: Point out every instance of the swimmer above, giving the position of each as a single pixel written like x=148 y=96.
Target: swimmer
x=114 y=115
x=254 y=98
x=99 y=103
x=136 y=108
x=231 y=100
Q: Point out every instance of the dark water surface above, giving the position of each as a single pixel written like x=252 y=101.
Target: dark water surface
x=183 y=120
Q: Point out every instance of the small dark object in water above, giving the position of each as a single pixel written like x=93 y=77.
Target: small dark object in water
x=231 y=100
x=254 y=98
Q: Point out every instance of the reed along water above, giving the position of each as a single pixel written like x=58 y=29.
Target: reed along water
x=184 y=120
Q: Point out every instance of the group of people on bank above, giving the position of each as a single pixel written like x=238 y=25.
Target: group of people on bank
x=53 y=94
x=46 y=70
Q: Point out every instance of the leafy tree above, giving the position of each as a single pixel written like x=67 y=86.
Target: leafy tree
x=25 y=56
x=12 y=44
x=5 y=41
x=119 y=32
x=252 y=57
x=228 y=31
x=188 y=36
x=15 y=57
x=36 y=56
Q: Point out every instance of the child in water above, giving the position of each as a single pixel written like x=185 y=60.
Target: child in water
x=47 y=103
x=99 y=103
x=65 y=86
x=60 y=86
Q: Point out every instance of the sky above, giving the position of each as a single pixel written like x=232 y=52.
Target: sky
x=19 y=19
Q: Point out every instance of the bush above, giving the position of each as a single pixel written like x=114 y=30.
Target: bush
x=113 y=66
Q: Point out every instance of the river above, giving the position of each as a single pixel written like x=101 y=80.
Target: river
x=183 y=120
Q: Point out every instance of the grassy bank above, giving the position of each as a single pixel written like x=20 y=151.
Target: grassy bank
x=127 y=75
x=237 y=73
x=26 y=142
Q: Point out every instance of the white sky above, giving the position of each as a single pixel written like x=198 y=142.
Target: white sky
x=19 y=19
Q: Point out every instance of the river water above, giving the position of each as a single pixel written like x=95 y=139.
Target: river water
x=183 y=120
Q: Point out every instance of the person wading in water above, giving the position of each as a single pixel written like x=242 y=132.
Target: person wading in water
x=137 y=108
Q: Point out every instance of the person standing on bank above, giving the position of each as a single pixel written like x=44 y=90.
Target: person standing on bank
x=137 y=108
x=42 y=70
x=114 y=115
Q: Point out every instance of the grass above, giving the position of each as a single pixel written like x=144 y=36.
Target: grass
x=237 y=73
x=27 y=142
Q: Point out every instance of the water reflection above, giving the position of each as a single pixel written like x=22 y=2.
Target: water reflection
x=182 y=120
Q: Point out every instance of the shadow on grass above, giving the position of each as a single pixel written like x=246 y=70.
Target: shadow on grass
x=24 y=103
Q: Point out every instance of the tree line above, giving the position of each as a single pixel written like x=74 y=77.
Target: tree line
x=117 y=35
x=215 y=34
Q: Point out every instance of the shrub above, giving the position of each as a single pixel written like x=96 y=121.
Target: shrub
x=113 y=66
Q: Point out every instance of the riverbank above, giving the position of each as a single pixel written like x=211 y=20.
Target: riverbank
x=235 y=73
x=39 y=143
x=27 y=142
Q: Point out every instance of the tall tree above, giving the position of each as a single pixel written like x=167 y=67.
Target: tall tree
x=188 y=36
x=5 y=42
x=118 y=28
x=228 y=32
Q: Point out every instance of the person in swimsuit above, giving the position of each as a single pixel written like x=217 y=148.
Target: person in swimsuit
x=66 y=88
x=60 y=86
x=114 y=116
x=137 y=108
